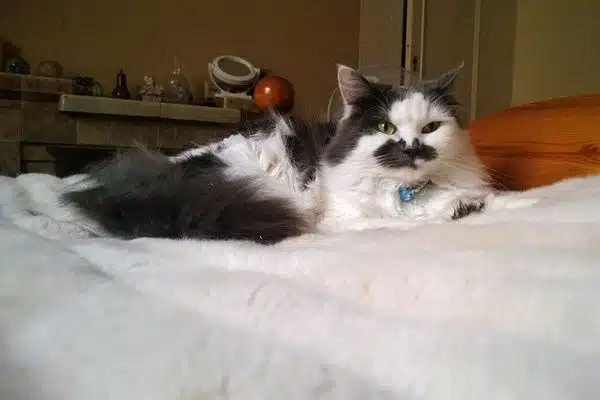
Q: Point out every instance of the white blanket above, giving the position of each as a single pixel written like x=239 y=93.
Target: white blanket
x=505 y=305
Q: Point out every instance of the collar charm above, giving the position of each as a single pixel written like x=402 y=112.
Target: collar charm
x=408 y=193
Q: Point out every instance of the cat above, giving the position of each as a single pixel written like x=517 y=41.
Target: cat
x=397 y=155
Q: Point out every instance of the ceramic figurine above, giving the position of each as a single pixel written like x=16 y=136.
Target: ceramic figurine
x=51 y=69
x=150 y=91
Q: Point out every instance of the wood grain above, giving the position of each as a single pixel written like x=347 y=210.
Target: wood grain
x=540 y=143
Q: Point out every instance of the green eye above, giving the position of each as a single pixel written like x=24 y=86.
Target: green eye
x=431 y=127
x=386 y=127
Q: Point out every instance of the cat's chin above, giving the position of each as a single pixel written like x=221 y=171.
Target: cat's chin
x=406 y=176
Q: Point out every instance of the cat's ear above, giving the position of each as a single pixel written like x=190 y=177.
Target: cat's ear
x=353 y=86
x=446 y=81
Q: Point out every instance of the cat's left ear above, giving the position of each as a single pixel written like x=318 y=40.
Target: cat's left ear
x=353 y=86
x=446 y=81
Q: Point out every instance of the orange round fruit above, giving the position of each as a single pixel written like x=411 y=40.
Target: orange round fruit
x=274 y=92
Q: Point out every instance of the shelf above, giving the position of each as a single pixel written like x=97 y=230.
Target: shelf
x=34 y=84
x=134 y=108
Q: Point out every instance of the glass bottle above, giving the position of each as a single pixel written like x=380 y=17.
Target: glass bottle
x=121 y=91
x=177 y=87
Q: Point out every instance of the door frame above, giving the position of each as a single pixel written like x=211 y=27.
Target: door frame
x=415 y=42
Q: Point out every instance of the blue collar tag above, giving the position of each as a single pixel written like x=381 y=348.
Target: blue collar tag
x=408 y=194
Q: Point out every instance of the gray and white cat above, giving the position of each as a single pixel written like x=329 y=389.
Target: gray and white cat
x=398 y=155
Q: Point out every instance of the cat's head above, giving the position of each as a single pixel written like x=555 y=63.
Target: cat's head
x=400 y=132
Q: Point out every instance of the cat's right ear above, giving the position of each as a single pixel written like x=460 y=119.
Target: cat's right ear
x=353 y=86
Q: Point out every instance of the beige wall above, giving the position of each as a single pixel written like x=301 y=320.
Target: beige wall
x=301 y=40
x=556 y=49
x=496 y=56
x=449 y=33
x=537 y=49
x=448 y=38
x=529 y=49
x=381 y=33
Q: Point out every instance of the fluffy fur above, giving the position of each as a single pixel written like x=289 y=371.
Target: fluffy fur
x=283 y=177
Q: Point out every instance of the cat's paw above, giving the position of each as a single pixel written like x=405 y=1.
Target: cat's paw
x=466 y=207
x=453 y=206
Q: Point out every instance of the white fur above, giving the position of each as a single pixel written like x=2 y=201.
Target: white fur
x=262 y=158
x=359 y=193
x=362 y=193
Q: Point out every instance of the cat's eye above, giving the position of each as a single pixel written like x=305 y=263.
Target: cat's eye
x=431 y=127
x=386 y=127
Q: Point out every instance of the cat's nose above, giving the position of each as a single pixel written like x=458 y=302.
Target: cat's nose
x=419 y=150
x=414 y=149
x=415 y=144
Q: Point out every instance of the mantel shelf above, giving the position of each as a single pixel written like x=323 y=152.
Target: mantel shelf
x=135 y=108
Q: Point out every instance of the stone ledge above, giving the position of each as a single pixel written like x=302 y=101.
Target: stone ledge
x=145 y=109
x=34 y=83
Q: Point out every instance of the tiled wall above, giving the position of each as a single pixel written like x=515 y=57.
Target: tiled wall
x=29 y=118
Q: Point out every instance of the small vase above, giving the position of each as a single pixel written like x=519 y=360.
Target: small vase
x=17 y=65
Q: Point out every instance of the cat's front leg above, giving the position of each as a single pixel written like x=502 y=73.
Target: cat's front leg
x=454 y=204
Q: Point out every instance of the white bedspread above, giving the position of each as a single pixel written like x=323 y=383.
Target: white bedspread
x=505 y=305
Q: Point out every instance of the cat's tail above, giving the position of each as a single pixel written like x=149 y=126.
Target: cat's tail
x=142 y=193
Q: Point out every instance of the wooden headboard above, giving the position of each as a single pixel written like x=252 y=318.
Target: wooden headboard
x=540 y=143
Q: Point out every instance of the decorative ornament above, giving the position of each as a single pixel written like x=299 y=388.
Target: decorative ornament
x=150 y=91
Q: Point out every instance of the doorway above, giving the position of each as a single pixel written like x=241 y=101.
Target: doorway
x=425 y=37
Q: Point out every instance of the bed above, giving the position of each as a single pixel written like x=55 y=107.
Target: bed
x=502 y=305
